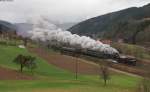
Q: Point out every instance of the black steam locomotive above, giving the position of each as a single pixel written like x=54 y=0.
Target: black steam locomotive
x=123 y=59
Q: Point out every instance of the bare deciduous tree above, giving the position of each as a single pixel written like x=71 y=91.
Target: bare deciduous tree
x=104 y=68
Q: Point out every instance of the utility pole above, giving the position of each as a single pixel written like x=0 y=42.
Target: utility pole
x=76 y=68
x=77 y=54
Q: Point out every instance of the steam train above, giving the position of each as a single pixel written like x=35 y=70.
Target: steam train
x=118 y=58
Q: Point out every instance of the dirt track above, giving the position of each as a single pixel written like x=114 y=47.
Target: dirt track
x=67 y=62
x=7 y=74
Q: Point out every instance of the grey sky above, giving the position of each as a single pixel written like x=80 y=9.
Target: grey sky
x=62 y=10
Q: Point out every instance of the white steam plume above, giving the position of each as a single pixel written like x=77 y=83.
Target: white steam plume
x=47 y=32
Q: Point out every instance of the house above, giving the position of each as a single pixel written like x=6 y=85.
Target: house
x=106 y=41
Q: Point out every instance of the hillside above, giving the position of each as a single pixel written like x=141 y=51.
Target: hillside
x=66 y=25
x=133 y=50
x=6 y=26
x=23 y=28
x=50 y=78
x=128 y=25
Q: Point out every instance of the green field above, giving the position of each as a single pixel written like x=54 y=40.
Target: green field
x=49 y=78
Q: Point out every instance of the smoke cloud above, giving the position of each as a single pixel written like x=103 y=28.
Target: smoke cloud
x=47 y=32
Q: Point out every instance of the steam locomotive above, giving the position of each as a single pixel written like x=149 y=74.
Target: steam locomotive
x=118 y=58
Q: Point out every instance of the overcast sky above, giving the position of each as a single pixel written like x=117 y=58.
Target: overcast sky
x=62 y=10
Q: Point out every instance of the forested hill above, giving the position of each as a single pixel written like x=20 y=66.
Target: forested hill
x=131 y=25
x=6 y=26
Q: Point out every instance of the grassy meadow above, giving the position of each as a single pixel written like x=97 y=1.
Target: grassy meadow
x=49 y=78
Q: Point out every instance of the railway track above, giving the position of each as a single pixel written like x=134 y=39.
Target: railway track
x=86 y=66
